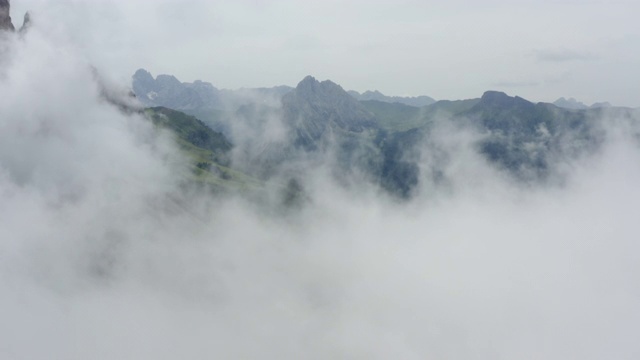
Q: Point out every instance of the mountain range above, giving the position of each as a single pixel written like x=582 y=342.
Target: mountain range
x=417 y=101
x=368 y=136
x=248 y=138
x=572 y=103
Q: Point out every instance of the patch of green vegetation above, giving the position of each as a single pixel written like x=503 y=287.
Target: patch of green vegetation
x=206 y=151
x=190 y=129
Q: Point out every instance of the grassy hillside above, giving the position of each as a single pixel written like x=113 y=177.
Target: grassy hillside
x=207 y=150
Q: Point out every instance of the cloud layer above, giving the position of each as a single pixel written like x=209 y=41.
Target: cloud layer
x=102 y=255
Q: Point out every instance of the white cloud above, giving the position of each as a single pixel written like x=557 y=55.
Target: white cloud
x=102 y=257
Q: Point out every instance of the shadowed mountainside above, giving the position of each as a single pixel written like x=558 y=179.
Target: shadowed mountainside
x=381 y=140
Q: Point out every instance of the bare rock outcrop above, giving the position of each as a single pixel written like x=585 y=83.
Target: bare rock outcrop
x=5 y=19
x=5 y=16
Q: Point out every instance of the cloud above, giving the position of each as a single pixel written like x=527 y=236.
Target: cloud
x=102 y=255
x=562 y=55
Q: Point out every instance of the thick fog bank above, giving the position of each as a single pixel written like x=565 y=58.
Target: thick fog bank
x=102 y=257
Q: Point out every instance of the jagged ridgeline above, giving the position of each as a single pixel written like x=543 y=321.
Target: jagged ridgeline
x=375 y=137
x=244 y=139
x=5 y=18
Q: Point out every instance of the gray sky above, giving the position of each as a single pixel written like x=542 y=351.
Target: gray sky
x=539 y=50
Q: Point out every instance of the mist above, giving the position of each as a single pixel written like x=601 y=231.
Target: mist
x=105 y=255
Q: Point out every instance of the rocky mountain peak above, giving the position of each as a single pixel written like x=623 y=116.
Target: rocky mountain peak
x=494 y=96
x=168 y=91
x=26 y=22
x=372 y=93
x=5 y=16
x=315 y=107
x=143 y=75
x=308 y=81
x=500 y=99
x=570 y=103
x=313 y=90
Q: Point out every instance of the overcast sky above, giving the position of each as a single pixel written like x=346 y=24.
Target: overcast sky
x=539 y=50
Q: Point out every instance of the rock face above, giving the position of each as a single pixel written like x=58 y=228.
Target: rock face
x=26 y=23
x=166 y=90
x=198 y=97
x=570 y=103
x=497 y=99
x=315 y=109
x=5 y=16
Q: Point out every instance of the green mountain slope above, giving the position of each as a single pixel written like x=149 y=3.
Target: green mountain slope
x=206 y=150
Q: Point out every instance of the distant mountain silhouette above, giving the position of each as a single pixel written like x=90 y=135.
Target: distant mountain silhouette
x=572 y=103
x=196 y=97
x=417 y=101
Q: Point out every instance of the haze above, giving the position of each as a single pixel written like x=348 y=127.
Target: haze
x=539 y=50
x=104 y=255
